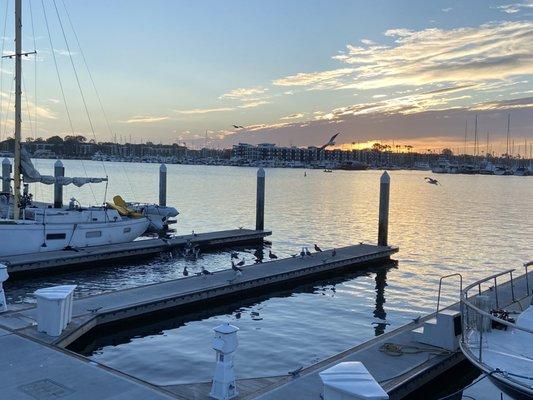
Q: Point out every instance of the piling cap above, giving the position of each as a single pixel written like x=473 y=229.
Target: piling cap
x=162 y=168
x=6 y=161
x=58 y=163
x=226 y=328
x=261 y=172
x=385 y=177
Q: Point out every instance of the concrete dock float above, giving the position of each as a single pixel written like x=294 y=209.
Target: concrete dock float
x=91 y=256
x=121 y=305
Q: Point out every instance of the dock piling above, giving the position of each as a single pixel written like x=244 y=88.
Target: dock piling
x=163 y=185
x=260 y=201
x=6 y=176
x=3 y=277
x=383 y=227
x=59 y=172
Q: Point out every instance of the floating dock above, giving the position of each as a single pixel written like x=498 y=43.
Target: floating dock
x=121 y=305
x=45 y=261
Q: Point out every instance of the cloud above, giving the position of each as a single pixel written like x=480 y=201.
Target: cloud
x=514 y=8
x=293 y=116
x=144 y=119
x=255 y=103
x=243 y=93
x=493 y=51
x=525 y=102
x=447 y=9
x=205 y=110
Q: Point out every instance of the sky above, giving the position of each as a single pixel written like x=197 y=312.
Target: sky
x=289 y=72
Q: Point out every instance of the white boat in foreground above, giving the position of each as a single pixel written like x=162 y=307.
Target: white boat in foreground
x=499 y=341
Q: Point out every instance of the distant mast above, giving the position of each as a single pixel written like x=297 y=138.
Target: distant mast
x=508 y=135
x=18 y=117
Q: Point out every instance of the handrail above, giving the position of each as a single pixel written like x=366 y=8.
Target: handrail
x=476 y=283
x=440 y=286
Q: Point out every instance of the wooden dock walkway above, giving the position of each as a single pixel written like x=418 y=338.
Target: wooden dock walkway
x=35 y=263
x=118 y=306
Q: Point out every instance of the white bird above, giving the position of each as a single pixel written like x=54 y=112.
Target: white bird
x=330 y=142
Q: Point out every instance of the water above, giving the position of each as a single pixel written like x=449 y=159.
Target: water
x=472 y=224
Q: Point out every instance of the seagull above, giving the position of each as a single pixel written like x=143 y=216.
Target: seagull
x=417 y=319
x=432 y=181
x=333 y=253
x=271 y=255
x=317 y=248
x=206 y=272
x=234 y=255
x=330 y=142
x=296 y=372
x=308 y=253
x=185 y=271
x=302 y=253
x=241 y=263
x=235 y=268
x=238 y=126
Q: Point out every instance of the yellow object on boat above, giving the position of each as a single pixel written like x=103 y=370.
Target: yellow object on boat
x=122 y=208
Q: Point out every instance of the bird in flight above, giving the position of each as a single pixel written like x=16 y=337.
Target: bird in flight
x=331 y=141
x=238 y=126
x=431 y=181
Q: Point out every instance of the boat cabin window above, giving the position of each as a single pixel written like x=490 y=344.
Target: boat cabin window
x=93 y=234
x=55 y=236
x=127 y=230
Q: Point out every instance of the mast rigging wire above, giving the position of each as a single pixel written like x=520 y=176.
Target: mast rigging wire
x=2 y=69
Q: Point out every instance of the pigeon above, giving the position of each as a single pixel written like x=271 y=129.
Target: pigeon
x=185 y=271
x=235 y=268
x=333 y=253
x=241 y=263
x=317 y=248
x=308 y=253
x=271 y=255
x=431 y=181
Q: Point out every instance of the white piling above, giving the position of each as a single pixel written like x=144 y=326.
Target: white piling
x=54 y=308
x=163 y=185
x=260 y=201
x=224 y=343
x=6 y=176
x=383 y=227
x=59 y=172
x=3 y=277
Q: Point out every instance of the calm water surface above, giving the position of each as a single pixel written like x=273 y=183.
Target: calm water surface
x=472 y=224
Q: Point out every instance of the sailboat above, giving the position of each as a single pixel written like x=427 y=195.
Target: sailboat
x=31 y=228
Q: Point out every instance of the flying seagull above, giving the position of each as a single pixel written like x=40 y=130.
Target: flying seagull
x=238 y=126
x=432 y=181
x=331 y=141
x=317 y=248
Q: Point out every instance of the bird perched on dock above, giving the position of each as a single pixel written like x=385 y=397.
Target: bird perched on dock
x=417 y=319
x=234 y=255
x=234 y=267
x=271 y=255
x=296 y=372
x=308 y=253
x=333 y=253
x=185 y=271
x=206 y=272
x=302 y=253
x=317 y=248
x=431 y=181
x=241 y=263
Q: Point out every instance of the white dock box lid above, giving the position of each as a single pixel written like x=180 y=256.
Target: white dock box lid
x=54 y=308
x=350 y=381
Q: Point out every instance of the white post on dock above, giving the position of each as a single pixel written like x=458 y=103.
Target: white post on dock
x=59 y=172
x=3 y=277
x=163 y=185
x=224 y=343
x=260 y=201
x=383 y=227
x=6 y=176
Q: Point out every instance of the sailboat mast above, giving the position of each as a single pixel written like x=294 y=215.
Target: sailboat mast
x=18 y=96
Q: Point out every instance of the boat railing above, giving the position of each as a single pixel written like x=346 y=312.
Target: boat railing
x=440 y=286
x=477 y=322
